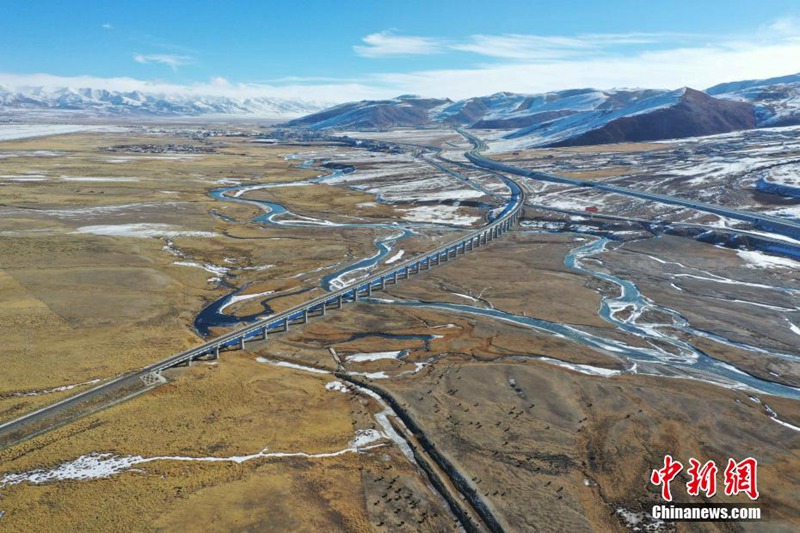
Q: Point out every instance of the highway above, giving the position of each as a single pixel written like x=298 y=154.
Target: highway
x=37 y=421
x=768 y=223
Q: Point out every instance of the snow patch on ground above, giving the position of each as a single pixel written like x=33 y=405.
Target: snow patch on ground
x=583 y=369
x=104 y=465
x=24 y=131
x=55 y=389
x=365 y=437
x=337 y=386
x=241 y=297
x=218 y=271
x=442 y=214
x=784 y=175
x=23 y=177
x=374 y=356
x=761 y=260
x=286 y=364
x=396 y=257
x=142 y=230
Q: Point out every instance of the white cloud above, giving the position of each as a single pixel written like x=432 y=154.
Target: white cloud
x=519 y=63
x=107 y=26
x=171 y=60
x=541 y=47
x=507 y=46
x=785 y=26
x=698 y=67
x=219 y=81
x=386 y=44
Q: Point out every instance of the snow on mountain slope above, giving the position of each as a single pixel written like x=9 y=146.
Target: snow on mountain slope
x=113 y=103
x=777 y=100
x=582 y=116
x=498 y=111
x=403 y=111
x=675 y=114
x=679 y=114
x=581 y=122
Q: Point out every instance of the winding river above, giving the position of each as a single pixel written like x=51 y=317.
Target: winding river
x=666 y=355
x=277 y=215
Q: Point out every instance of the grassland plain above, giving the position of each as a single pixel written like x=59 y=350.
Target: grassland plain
x=545 y=447
x=79 y=306
x=82 y=304
x=237 y=408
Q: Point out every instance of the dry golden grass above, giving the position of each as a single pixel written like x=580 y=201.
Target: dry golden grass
x=77 y=307
x=558 y=428
x=235 y=408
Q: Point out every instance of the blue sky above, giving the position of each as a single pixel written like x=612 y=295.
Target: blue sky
x=336 y=51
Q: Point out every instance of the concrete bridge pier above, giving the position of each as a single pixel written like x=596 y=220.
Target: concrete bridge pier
x=305 y=315
x=369 y=289
x=241 y=342
x=286 y=324
x=339 y=302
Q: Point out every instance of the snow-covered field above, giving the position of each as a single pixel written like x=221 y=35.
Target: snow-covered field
x=10 y=132
x=401 y=178
x=757 y=259
x=142 y=230
x=719 y=169
x=784 y=175
x=373 y=356
x=440 y=214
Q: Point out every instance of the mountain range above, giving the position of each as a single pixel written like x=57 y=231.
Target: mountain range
x=104 y=103
x=581 y=116
x=560 y=118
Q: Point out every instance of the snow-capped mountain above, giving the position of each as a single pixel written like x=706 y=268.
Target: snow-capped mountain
x=100 y=102
x=666 y=115
x=510 y=111
x=583 y=116
x=777 y=100
x=403 y=111
x=498 y=111
x=572 y=117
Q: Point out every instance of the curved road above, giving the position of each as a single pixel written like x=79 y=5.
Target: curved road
x=769 y=223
